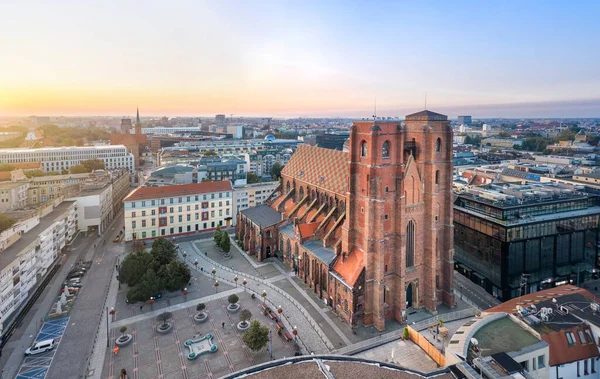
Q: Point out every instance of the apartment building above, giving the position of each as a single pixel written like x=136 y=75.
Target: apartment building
x=251 y=195
x=30 y=249
x=172 y=210
x=13 y=195
x=59 y=159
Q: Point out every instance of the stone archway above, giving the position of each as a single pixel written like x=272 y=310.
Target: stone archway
x=412 y=294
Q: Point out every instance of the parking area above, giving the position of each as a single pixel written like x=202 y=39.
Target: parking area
x=37 y=366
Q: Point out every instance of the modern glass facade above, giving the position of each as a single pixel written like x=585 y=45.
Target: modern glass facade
x=552 y=241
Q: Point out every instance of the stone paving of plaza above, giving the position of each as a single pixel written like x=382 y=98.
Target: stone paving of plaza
x=153 y=355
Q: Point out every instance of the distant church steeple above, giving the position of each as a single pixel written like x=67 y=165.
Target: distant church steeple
x=138 y=123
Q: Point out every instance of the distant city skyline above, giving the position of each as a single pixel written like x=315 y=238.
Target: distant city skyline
x=310 y=58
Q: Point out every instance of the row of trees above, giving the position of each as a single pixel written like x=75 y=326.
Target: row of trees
x=221 y=239
x=149 y=273
x=89 y=165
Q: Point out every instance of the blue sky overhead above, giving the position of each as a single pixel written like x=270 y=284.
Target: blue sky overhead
x=333 y=58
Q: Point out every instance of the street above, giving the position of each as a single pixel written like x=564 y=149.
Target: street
x=464 y=288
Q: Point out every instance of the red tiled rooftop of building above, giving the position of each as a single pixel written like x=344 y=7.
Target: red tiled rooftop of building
x=307 y=230
x=351 y=267
x=144 y=193
x=323 y=168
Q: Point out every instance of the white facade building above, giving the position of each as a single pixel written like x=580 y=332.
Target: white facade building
x=163 y=130
x=251 y=195
x=34 y=246
x=61 y=158
x=180 y=209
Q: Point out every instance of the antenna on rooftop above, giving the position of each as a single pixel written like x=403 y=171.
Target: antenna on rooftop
x=375 y=110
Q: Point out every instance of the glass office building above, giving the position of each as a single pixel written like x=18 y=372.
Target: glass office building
x=513 y=239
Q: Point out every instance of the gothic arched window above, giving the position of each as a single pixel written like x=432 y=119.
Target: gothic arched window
x=385 y=150
x=363 y=149
x=410 y=244
x=438 y=145
x=437 y=177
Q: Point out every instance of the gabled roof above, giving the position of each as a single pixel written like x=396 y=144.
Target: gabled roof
x=351 y=267
x=426 y=116
x=262 y=215
x=307 y=230
x=320 y=167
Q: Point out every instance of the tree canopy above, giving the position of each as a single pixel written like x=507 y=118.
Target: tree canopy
x=276 y=170
x=149 y=273
x=78 y=169
x=252 y=178
x=6 y=222
x=93 y=164
x=257 y=336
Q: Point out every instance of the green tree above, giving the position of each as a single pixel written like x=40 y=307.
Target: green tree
x=245 y=315
x=175 y=276
x=232 y=299
x=93 y=164
x=200 y=307
x=164 y=317
x=276 y=170
x=68 y=142
x=163 y=252
x=256 y=337
x=78 y=169
x=6 y=167
x=225 y=244
x=503 y=134
x=151 y=283
x=252 y=178
x=217 y=236
x=123 y=329
x=473 y=140
x=34 y=173
x=133 y=268
x=210 y=154
x=6 y=222
x=593 y=139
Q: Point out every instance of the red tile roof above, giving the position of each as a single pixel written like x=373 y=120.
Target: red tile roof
x=560 y=350
x=324 y=168
x=307 y=230
x=351 y=267
x=144 y=193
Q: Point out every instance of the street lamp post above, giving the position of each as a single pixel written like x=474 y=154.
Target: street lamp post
x=235 y=279
x=214 y=272
x=151 y=301
x=216 y=286
x=185 y=292
x=244 y=282
x=264 y=296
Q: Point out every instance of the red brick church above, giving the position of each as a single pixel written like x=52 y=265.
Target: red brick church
x=370 y=229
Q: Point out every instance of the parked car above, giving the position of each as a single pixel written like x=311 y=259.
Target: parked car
x=157 y=295
x=40 y=347
x=74 y=275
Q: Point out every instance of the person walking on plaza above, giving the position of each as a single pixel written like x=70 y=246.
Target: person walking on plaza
x=223 y=325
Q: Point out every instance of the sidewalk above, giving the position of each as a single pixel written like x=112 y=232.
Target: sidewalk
x=18 y=342
x=295 y=314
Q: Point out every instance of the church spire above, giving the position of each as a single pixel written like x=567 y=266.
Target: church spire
x=137 y=119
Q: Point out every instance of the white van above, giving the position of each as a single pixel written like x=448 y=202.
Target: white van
x=40 y=347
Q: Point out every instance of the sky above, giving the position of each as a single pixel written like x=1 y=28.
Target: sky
x=300 y=58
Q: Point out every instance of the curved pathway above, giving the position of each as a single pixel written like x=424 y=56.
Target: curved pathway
x=310 y=334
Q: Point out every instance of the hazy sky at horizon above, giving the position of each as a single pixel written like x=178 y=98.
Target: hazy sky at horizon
x=319 y=58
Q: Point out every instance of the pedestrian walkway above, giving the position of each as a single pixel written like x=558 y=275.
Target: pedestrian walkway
x=310 y=333
x=187 y=304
